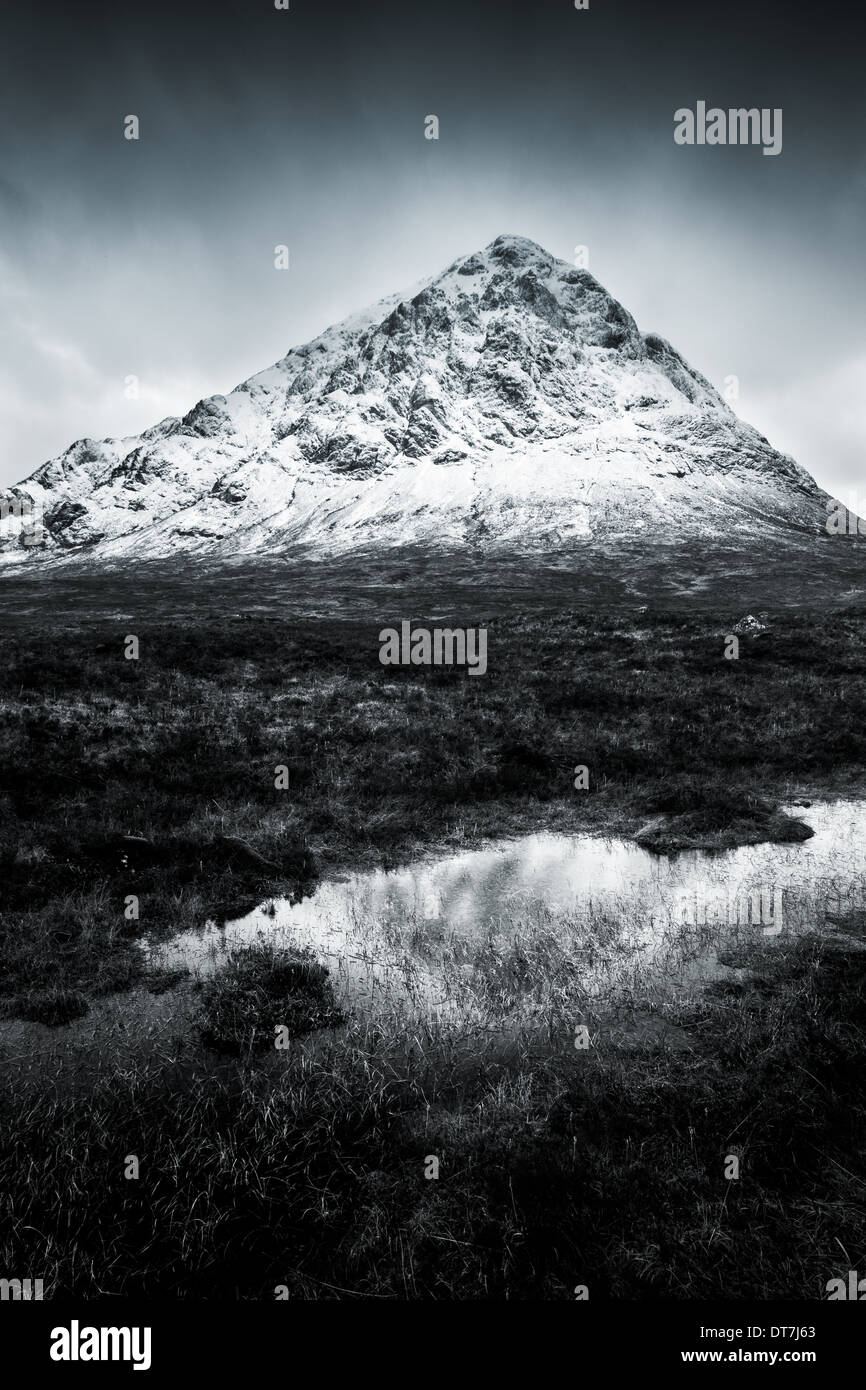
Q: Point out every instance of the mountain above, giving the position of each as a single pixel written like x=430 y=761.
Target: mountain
x=509 y=404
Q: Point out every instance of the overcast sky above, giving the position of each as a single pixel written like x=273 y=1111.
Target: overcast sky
x=258 y=127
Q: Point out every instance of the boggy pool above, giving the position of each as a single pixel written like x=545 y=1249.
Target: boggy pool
x=515 y=924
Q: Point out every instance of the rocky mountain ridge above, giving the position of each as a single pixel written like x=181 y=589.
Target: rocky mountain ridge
x=507 y=404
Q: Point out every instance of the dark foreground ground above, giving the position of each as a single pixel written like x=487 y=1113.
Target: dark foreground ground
x=606 y=1168
x=155 y=778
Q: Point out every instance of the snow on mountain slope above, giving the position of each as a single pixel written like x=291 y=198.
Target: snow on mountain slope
x=508 y=403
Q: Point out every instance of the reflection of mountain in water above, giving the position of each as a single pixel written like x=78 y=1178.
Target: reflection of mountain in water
x=399 y=931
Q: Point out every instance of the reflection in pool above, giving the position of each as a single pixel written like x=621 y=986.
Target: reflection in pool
x=517 y=924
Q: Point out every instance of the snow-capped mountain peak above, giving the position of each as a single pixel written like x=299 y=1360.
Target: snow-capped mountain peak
x=509 y=402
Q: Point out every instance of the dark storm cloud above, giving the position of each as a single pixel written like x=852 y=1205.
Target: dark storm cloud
x=305 y=127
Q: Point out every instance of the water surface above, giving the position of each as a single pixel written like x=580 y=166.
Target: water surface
x=605 y=911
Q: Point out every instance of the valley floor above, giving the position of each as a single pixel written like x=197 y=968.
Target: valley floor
x=148 y=786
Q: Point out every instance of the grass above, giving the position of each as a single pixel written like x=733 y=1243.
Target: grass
x=53 y=1006
x=156 y=778
x=57 y=958
x=558 y=1166
x=700 y=818
x=261 y=990
x=139 y=799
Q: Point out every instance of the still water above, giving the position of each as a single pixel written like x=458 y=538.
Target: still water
x=462 y=931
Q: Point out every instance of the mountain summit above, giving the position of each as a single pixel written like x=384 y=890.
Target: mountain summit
x=509 y=403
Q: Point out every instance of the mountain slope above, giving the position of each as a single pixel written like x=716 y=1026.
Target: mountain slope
x=509 y=404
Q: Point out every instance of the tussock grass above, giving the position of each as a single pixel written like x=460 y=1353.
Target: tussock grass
x=179 y=748
x=557 y=1167
x=262 y=988
x=306 y=1168
x=53 y=959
